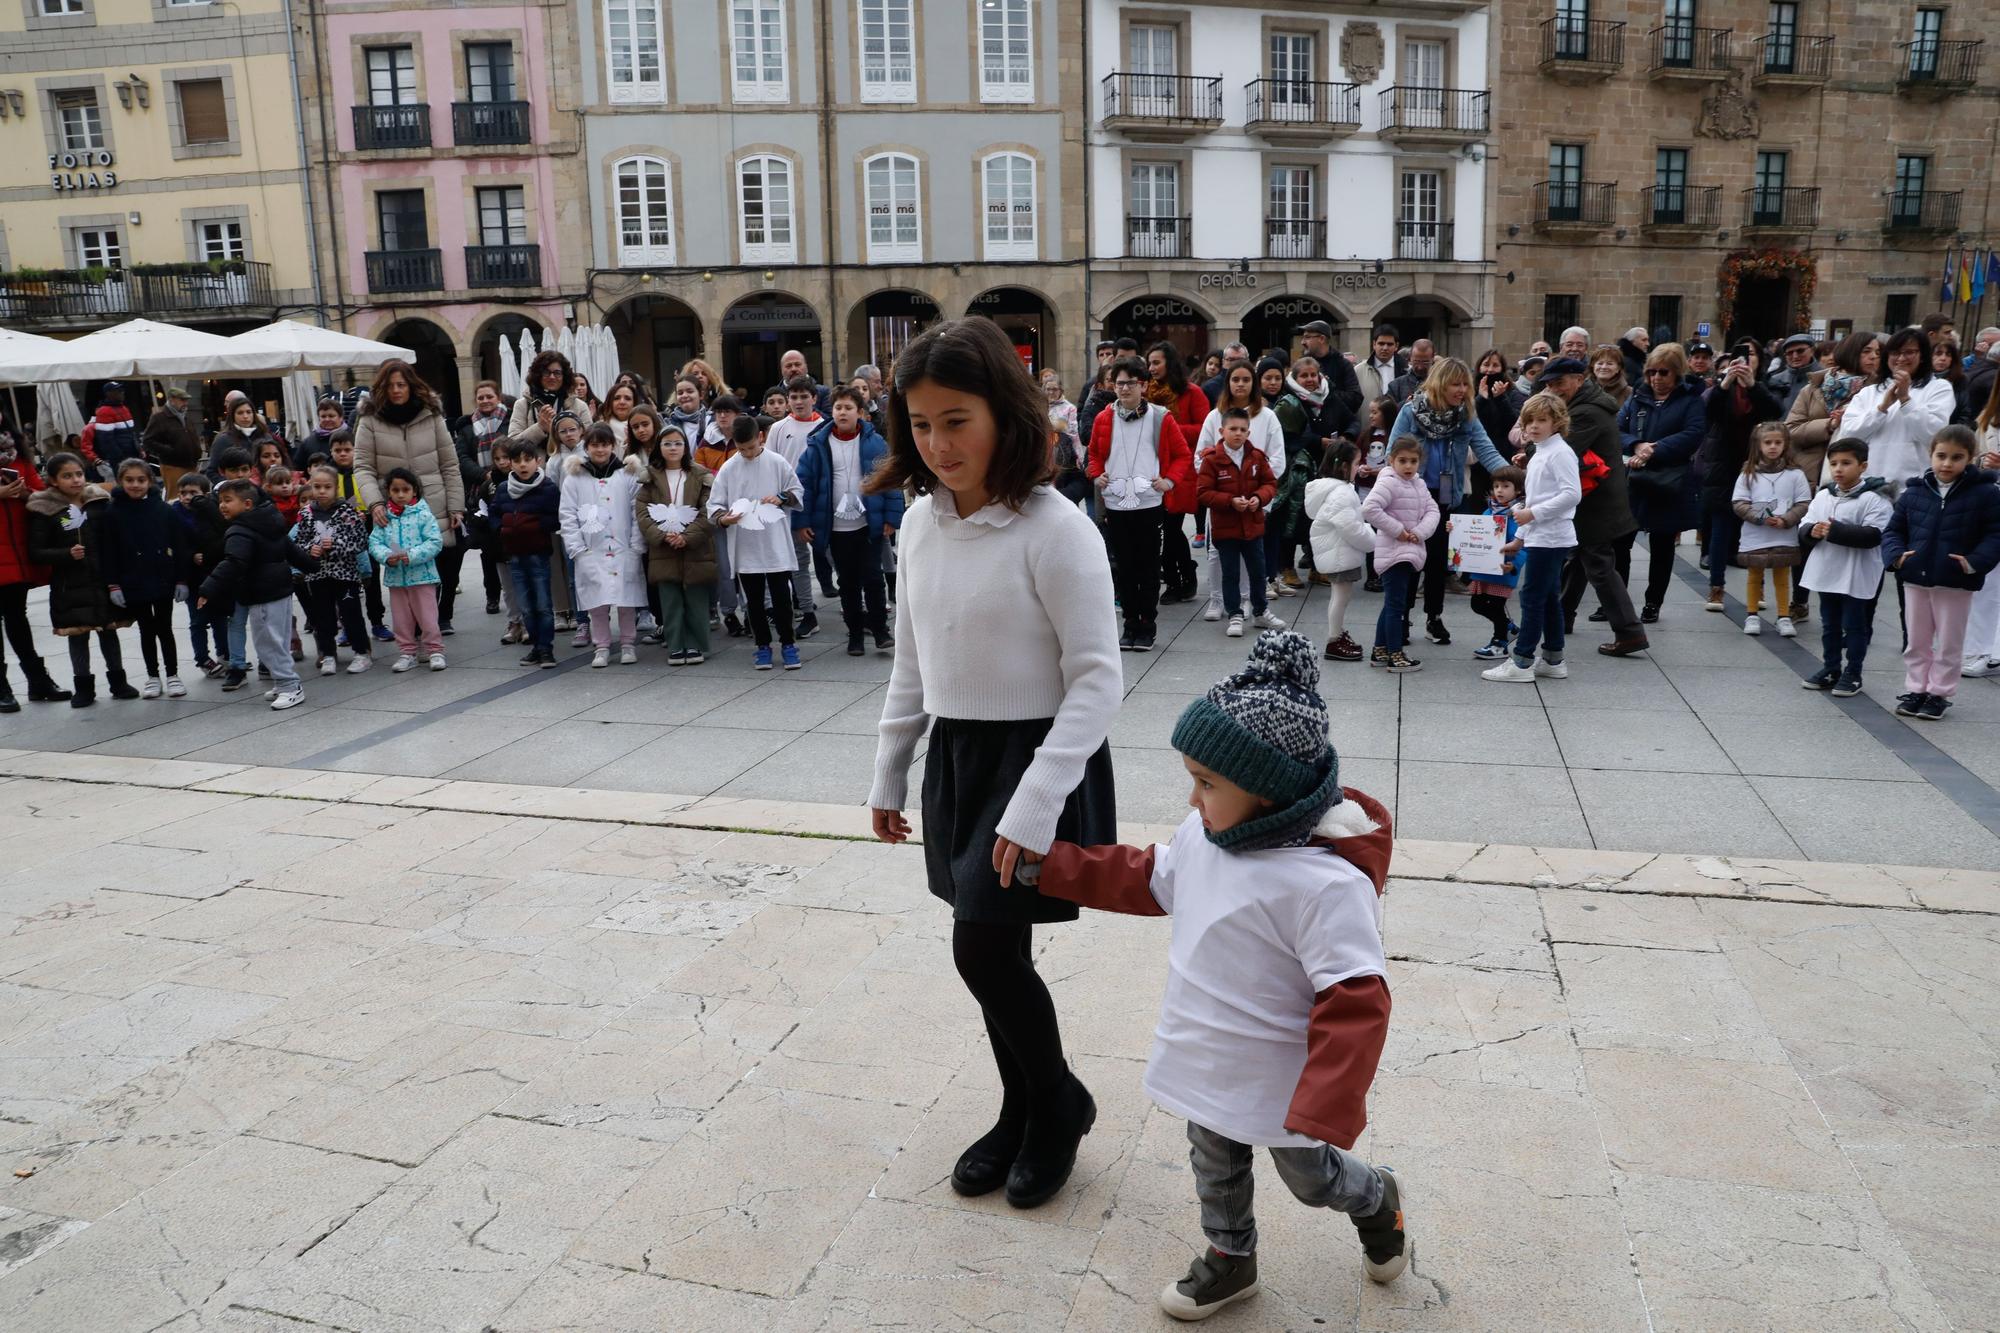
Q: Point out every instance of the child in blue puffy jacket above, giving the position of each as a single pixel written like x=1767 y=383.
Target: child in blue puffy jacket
x=407 y=547
x=1941 y=543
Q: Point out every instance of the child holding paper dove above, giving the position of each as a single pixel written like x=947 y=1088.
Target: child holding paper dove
x=839 y=456
x=679 y=537
x=337 y=535
x=601 y=536
x=748 y=499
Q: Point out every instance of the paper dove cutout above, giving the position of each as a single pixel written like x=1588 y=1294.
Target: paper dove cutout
x=849 y=507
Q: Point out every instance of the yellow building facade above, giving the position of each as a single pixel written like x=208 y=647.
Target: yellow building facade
x=150 y=165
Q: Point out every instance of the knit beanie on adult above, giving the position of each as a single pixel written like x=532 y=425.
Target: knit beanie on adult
x=1264 y=729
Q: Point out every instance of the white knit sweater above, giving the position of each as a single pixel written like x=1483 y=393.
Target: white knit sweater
x=1003 y=617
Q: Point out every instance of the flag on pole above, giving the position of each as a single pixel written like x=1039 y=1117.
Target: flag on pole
x=1945 y=294
x=1979 y=266
x=1993 y=268
x=1965 y=277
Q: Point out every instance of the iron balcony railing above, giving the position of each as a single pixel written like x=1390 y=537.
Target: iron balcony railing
x=1163 y=96
x=404 y=125
x=476 y=124
x=73 y=297
x=1923 y=210
x=1301 y=102
x=503 y=266
x=1582 y=41
x=234 y=285
x=1683 y=47
x=1159 y=238
x=1792 y=207
x=1939 y=63
x=1584 y=203
x=405 y=270
x=1423 y=240
x=1411 y=109
x=1681 y=205
x=1294 y=238
x=1791 y=55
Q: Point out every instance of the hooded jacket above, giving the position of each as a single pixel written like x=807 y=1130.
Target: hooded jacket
x=691 y=565
x=418 y=442
x=1394 y=504
x=1606 y=513
x=601 y=532
x=415 y=533
x=258 y=558
x=1339 y=536
x=348 y=561
x=79 y=595
x=1931 y=526
x=111 y=436
x=816 y=480
x=146 y=553
x=1343 y=1025
x=1220 y=480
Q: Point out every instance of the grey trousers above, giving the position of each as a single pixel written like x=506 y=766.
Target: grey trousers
x=1319 y=1177
x=802 y=577
x=271 y=634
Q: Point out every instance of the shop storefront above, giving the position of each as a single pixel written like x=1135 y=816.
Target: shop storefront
x=758 y=330
x=1025 y=318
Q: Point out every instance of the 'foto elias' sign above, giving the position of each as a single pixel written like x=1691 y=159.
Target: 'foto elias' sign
x=87 y=170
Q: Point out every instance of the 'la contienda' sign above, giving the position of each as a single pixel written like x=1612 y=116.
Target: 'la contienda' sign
x=86 y=170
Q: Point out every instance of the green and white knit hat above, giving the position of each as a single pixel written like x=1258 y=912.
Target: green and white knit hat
x=1264 y=728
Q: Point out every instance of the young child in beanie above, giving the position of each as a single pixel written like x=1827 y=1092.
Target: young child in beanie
x=1277 y=1002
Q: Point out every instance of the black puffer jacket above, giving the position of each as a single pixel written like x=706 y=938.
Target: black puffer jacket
x=1605 y=514
x=1932 y=528
x=79 y=598
x=258 y=557
x=144 y=547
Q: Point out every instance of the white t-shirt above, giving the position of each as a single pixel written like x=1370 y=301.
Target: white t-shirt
x=1256 y=936
x=769 y=550
x=848 y=513
x=787 y=437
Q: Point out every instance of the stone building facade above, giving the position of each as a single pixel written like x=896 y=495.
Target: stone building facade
x=1742 y=166
x=773 y=174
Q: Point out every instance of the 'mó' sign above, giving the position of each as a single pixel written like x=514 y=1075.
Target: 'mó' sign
x=83 y=171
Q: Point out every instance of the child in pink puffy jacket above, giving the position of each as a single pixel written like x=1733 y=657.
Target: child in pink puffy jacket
x=1403 y=513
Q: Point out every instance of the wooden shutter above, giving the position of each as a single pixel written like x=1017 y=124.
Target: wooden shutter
x=204 y=118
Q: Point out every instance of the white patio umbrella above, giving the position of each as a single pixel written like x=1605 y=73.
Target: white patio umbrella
x=56 y=414
x=510 y=369
x=309 y=347
x=527 y=359
x=566 y=344
x=24 y=348
x=145 y=349
x=301 y=398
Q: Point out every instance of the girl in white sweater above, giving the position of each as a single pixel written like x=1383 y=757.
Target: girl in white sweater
x=1006 y=646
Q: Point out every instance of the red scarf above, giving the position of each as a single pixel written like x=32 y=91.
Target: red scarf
x=396 y=509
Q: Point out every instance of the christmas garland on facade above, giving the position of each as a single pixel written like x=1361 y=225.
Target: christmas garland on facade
x=1768 y=264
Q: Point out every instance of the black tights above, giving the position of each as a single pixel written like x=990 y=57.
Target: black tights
x=156 y=635
x=14 y=616
x=1494 y=608
x=996 y=964
x=107 y=644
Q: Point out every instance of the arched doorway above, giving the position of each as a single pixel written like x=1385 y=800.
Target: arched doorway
x=1417 y=317
x=1151 y=319
x=1273 y=325
x=486 y=345
x=657 y=335
x=436 y=361
x=1025 y=318
x=883 y=323
x=758 y=330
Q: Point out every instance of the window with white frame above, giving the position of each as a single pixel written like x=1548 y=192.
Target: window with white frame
x=764 y=211
x=633 y=48
x=888 y=50
x=1154 y=226
x=57 y=8
x=1009 y=187
x=645 y=212
x=81 y=120
x=895 y=223
x=1006 y=51
x=99 y=247
x=220 y=240
x=757 y=55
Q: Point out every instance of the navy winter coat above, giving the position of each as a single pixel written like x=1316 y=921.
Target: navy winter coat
x=1934 y=527
x=146 y=551
x=527 y=525
x=816 y=481
x=1676 y=426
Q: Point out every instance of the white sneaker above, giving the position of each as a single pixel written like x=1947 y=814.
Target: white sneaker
x=176 y=690
x=601 y=658
x=359 y=665
x=1977 y=665
x=152 y=689
x=289 y=699
x=1268 y=621
x=1551 y=670
x=628 y=655
x=437 y=661
x=270 y=694
x=1509 y=672
x=404 y=663
x=327 y=666
x=1235 y=630
x=1213 y=611
x=1787 y=630
x=1752 y=625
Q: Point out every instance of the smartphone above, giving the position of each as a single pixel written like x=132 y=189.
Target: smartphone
x=8 y=476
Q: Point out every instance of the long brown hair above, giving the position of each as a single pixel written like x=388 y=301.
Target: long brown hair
x=420 y=392
x=1253 y=403
x=972 y=356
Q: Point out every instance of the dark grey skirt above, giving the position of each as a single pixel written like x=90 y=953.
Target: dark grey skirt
x=970 y=772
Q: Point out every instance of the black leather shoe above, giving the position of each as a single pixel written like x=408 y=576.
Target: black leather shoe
x=1048 y=1150
x=983 y=1167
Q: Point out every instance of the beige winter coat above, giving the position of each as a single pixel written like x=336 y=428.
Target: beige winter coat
x=424 y=447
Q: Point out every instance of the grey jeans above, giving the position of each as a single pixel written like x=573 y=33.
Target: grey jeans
x=271 y=633
x=1319 y=1177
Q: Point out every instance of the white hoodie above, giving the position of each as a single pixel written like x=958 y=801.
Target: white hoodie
x=1554 y=490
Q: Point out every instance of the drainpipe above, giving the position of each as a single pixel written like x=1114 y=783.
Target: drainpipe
x=305 y=165
x=1088 y=340
x=828 y=184
x=326 y=170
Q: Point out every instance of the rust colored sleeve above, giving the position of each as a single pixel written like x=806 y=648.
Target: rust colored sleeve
x=1350 y=1021
x=1110 y=878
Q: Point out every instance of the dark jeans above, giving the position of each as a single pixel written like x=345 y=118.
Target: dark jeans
x=1659 y=563
x=1176 y=562
x=1437 y=564
x=857 y=565
x=1230 y=553
x=1849 y=623
x=778 y=588
x=1597 y=567
x=107 y=643
x=205 y=628
x=1541 y=604
x=1135 y=553
x=490 y=566
x=14 y=617
x=1397 y=583
x=450 y=563
x=371 y=590
x=333 y=606
x=1724 y=531
x=156 y=635
x=531 y=599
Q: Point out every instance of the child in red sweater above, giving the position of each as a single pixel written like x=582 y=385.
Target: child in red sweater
x=1235 y=486
x=1277 y=1002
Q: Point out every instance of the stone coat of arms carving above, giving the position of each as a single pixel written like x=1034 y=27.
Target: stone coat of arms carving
x=1729 y=111
x=1361 y=52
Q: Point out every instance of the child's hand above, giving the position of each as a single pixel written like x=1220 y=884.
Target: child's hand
x=76 y=551
x=675 y=540
x=1506 y=566
x=1821 y=529
x=1408 y=536
x=321 y=548
x=1963 y=563
x=1162 y=485
x=768 y=500
x=1520 y=460
x=1511 y=547
x=1524 y=516
x=197 y=558
x=1774 y=522
x=1901 y=558
x=729 y=519
x=890 y=826
x=1239 y=504
x=200 y=602
x=1007 y=855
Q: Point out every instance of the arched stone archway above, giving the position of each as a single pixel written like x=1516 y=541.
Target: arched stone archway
x=1151 y=319
x=882 y=323
x=1272 y=324
x=436 y=360
x=657 y=335
x=1026 y=317
x=486 y=343
x=758 y=329
x=1431 y=316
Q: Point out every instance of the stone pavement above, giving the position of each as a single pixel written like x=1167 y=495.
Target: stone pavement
x=1707 y=745
x=289 y=1050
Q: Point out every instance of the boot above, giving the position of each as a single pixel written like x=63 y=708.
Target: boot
x=983 y=1167
x=118 y=687
x=42 y=688
x=1048 y=1149
x=86 y=692
x=8 y=704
